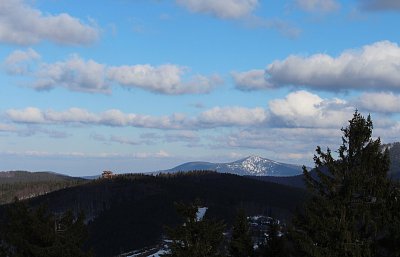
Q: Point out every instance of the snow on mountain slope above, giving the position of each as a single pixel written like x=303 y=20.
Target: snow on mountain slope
x=250 y=166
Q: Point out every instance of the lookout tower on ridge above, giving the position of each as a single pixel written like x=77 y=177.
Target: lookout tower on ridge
x=107 y=174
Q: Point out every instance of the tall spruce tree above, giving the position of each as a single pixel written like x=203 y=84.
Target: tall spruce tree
x=195 y=237
x=241 y=244
x=351 y=201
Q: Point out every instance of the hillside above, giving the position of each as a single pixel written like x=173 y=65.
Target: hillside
x=24 y=184
x=250 y=166
x=130 y=211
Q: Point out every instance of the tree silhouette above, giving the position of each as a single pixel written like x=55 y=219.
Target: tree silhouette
x=195 y=237
x=38 y=233
x=241 y=244
x=352 y=199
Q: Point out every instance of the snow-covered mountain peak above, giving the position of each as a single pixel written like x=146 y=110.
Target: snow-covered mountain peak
x=253 y=158
x=250 y=166
x=254 y=165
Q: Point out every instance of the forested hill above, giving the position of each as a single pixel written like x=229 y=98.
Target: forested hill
x=7 y=177
x=135 y=208
x=24 y=184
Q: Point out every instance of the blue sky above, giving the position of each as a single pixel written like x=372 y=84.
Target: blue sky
x=142 y=85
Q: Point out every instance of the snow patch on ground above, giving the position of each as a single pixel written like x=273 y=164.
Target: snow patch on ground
x=159 y=253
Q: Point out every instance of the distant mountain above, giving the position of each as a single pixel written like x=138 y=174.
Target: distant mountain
x=19 y=176
x=250 y=166
x=25 y=184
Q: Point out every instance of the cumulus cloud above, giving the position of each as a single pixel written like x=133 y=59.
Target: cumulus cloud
x=27 y=115
x=216 y=117
x=304 y=109
x=380 y=5
x=225 y=9
x=230 y=116
x=384 y=102
x=318 y=5
x=165 y=79
x=18 y=62
x=74 y=74
x=299 y=109
x=24 y=25
x=375 y=66
x=77 y=74
x=250 y=80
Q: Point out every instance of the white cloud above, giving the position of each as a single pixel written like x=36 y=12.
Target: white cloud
x=250 y=80
x=22 y=24
x=379 y=102
x=111 y=117
x=225 y=9
x=389 y=134
x=300 y=109
x=216 y=117
x=375 y=66
x=27 y=115
x=318 y=5
x=74 y=74
x=77 y=74
x=304 y=109
x=240 y=10
x=120 y=140
x=70 y=116
x=18 y=62
x=380 y=5
x=165 y=79
x=101 y=155
x=232 y=116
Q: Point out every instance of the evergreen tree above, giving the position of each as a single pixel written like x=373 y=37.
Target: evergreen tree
x=241 y=244
x=275 y=245
x=347 y=214
x=195 y=237
x=37 y=233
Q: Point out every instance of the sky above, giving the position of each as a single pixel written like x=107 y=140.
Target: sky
x=144 y=85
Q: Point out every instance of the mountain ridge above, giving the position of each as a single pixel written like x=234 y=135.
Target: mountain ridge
x=252 y=165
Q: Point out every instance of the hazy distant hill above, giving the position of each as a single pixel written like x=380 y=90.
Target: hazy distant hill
x=24 y=184
x=250 y=166
x=130 y=211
